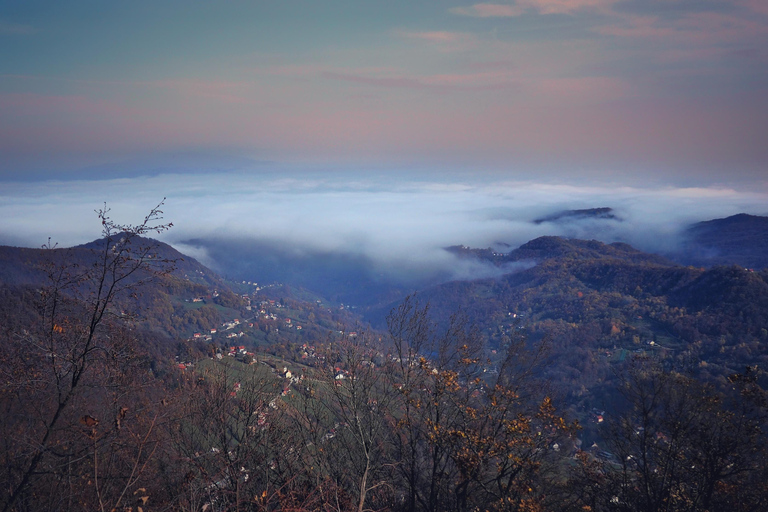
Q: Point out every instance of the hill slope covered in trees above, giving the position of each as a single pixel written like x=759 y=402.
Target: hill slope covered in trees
x=598 y=305
x=463 y=400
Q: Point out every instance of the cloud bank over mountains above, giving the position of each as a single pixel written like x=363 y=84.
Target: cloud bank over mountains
x=399 y=223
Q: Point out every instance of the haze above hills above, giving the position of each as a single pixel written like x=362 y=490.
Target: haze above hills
x=360 y=279
x=396 y=222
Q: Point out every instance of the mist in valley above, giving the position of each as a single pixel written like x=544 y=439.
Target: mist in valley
x=355 y=235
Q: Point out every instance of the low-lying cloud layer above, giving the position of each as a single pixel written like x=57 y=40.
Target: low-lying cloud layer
x=399 y=224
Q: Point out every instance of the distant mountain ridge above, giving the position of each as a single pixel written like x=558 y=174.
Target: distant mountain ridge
x=740 y=239
x=165 y=283
x=23 y=266
x=604 y=213
x=173 y=297
x=596 y=305
x=548 y=247
x=551 y=247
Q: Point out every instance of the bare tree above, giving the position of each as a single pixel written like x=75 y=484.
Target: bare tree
x=680 y=445
x=352 y=415
x=58 y=376
x=231 y=441
x=465 y=440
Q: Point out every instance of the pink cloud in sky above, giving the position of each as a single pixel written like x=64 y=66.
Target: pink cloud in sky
x=488 y=11
x=313 y=70
x=484 y=80
x=401 y=82
x=222 y=91
x=485 y=10
x=492 y=65
x=583 y=89
x=488 y=80
x=438 y=36
x=77 y=123
x=759 y=6
x=696 y=28
x=442 y=40
x=294 y=70
x=563 y=121
x=32 y=104
x=564 y=6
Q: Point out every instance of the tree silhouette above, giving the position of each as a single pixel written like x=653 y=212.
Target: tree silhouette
x=66 y=380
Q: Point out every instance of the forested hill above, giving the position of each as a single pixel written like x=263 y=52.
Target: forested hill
x=25 y=266
x=157 y=292
x=647 y=355
x=740 y=239
x=598 y=304
x=568 y=279
x=551 y=247
x=171 y=297
x=579 y=282
x=554 y=247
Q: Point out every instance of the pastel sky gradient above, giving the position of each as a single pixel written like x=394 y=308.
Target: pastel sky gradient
x=625 y=89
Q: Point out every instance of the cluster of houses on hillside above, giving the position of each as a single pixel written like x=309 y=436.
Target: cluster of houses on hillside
x=226 y=326
x=203 y=298
x=238 y=351
x=340 y=373
x=308 y=352
x=265 y=313
x=183 y=365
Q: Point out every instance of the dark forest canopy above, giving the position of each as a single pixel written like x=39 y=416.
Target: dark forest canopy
x=597 y=377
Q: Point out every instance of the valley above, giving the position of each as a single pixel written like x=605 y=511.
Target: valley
x=558 y=354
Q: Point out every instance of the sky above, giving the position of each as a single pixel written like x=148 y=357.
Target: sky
x=562 y=88
x=379 y=127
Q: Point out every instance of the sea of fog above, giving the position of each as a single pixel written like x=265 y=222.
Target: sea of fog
x=397 y=222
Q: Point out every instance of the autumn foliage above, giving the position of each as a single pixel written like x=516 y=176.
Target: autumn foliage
x=414 y=419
